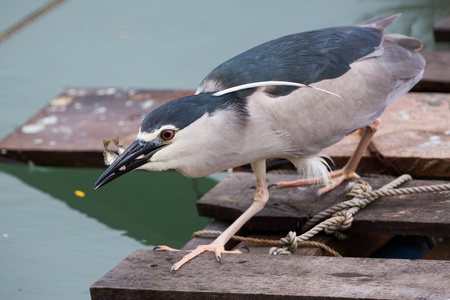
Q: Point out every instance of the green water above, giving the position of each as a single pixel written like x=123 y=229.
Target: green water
x=54 y=244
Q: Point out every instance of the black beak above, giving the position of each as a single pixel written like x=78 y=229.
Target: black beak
x=128 y=161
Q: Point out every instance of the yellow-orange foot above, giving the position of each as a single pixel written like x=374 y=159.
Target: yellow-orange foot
x=217 y=249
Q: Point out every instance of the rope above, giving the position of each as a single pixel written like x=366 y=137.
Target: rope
x=340 y=216
x=274 y=250
x=364 y=198
x=359 y=196
x=28 y=19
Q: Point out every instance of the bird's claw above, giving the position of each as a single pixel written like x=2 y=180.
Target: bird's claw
x=243 y=247
x=273 y=185
x=172 y=268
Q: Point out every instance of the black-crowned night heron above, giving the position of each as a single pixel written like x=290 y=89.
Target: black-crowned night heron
x=287 y=98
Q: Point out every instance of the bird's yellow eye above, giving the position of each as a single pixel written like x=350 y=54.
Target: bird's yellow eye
x=167 y=134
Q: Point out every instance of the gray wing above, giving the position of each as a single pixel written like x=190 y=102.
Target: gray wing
x=316 y=120
x=303 y=58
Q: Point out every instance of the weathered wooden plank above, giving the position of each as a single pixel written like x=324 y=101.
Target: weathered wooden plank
x=442 y=31
x=436 y=77
x=69 y=131
x=145 y=275
x=289 y=208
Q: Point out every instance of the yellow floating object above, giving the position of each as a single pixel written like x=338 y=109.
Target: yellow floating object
x=80 y=193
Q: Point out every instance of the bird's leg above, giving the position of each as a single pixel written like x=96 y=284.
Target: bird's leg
x=260 y=199
x=348 y=171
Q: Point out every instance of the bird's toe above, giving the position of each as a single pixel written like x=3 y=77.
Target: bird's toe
x=164 y=248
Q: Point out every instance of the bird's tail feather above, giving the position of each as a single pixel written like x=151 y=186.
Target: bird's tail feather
x=380 y=22
x=313 y=167
x=405 y=41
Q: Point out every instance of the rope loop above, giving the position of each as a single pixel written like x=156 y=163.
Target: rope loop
x=358 y=187
x=290 y=241
x=279 y=251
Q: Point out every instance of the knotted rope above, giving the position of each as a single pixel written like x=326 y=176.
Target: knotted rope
x=341 y=214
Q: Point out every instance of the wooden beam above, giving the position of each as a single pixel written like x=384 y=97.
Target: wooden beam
x=436 y=77
x=145 y=275
x=289 y=208
x=442 y=31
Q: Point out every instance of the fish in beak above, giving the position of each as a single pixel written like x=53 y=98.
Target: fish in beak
x=138 y=154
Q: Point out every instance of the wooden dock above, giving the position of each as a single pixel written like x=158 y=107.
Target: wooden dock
x=144 y=275
x=307 y=274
